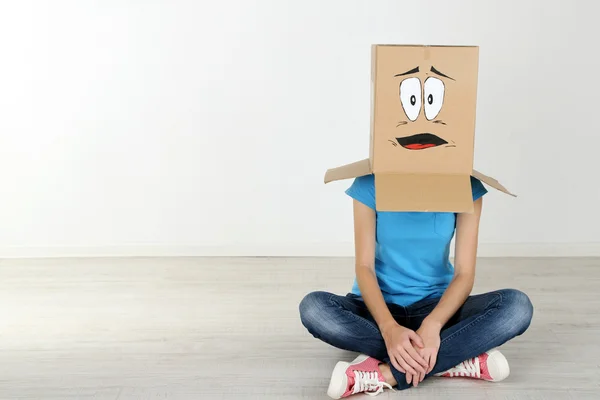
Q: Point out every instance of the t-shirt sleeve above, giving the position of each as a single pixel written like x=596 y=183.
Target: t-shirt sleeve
x=363 y=190
x=477 y=188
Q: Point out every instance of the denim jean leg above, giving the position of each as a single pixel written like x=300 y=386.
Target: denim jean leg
x=489 y=321
x=484 y=322
x=342 y=322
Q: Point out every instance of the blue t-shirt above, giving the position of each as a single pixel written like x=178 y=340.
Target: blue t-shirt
x=412 y=250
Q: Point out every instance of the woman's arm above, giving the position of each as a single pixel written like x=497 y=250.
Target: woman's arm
x=398 y=339
x=364 y=251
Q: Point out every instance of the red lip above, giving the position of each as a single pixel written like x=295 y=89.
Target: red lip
x=418 y=146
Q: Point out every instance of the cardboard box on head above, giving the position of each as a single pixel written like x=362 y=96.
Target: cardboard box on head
x=422 y=129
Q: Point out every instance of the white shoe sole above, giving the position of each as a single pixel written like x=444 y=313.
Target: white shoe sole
x=497 y=366
x=339 y=381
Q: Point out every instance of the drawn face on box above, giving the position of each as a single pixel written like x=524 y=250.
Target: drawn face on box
x=425 y=108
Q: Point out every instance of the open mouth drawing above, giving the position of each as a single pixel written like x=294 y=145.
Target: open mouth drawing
x=421 y=141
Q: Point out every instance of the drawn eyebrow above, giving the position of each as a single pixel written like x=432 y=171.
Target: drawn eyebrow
x=435 y=71
x=412 y=71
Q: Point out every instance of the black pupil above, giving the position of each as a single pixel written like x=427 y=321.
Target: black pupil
x=413 y=100
x=430 y=99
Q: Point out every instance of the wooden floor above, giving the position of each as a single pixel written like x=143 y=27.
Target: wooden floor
x=189 y=328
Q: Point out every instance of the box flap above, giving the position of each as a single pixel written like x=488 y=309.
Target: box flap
x=354 y=170
x=491 y=182
x=424 y=192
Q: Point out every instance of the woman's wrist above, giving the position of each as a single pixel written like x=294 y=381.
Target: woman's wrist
x=430 y=322
x=388 y=324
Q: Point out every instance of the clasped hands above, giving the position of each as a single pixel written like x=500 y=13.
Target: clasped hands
x=410 y=352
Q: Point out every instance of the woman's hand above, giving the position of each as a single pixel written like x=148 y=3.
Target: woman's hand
x=401 y=346
x=430 y=334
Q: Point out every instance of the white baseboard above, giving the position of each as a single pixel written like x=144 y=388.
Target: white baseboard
x=159 y=250
x=539 y=250
x=301 y=250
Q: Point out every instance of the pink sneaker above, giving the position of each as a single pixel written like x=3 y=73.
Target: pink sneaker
x=490 y=366
x=361 y=375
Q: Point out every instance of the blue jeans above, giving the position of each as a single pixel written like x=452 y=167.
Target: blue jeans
x=484 y=321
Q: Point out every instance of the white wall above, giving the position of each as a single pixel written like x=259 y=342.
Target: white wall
x=205 y=127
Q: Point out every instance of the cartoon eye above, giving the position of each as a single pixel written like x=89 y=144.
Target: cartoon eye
x=410 y=97
x=434 y=97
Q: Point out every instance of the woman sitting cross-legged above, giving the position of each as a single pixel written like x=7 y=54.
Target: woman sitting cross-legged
x=410 y=314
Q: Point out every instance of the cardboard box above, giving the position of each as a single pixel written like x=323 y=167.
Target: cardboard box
x=422 y=129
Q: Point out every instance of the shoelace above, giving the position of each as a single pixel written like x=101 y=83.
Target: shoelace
x=368 y=382
x=467 y=368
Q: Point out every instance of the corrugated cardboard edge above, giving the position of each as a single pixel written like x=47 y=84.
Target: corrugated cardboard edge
x=373 y=101
x=354 y=170
x=424 y=45
x=488 y=180
x=363 y=167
